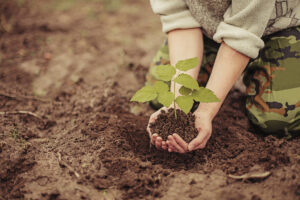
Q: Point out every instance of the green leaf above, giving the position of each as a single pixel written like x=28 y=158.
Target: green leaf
x=187 y=81
x=161 y=87
x=165 y=72
x=166 y=98
x=184 y=91
x=185 y=103
x=187 y=64
x=144 y=94
x=204 y=95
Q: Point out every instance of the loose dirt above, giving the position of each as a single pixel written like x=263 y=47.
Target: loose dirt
x=166 y=124
x=68 y=130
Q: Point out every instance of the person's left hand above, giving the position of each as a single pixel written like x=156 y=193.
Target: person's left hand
x=203 y=124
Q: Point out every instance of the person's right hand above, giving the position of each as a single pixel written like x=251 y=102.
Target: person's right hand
x=154 y=137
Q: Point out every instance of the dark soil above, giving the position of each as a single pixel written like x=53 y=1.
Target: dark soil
x=71 y=68
x=166 y=124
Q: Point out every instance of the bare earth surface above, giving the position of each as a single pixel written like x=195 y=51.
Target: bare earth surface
x=68 y=130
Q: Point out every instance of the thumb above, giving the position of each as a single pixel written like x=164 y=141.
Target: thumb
x=196 y=142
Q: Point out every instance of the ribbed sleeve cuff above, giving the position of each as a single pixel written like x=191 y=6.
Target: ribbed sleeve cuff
x=178 y=20
x=239 y=39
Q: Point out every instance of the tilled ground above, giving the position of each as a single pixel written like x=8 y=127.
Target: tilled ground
x=70 y=132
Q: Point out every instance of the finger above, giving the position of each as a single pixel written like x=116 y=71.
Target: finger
x=200 y=146
x=197 y=141
x=153 y=138
x=164 y=145
x=174 y=144
x=180 y=141
x=158 y=142
x=203 y=144
x=170 y=147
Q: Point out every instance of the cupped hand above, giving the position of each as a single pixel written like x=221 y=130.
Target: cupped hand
x=174 y=142
x=203 y=124
x=154 y=137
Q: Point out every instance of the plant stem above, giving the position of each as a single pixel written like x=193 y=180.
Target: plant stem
x=175 y=103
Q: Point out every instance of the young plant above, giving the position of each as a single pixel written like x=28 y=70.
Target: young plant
x=189 y=89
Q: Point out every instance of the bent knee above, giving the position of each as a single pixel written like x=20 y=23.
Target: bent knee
x=271 y=122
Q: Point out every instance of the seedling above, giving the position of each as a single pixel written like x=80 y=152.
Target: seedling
x=189 y=89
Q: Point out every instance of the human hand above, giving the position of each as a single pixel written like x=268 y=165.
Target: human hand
x=203 y=123
x=176 y=142
x=154 y=137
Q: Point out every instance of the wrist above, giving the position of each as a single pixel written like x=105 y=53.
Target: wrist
x=208 y=110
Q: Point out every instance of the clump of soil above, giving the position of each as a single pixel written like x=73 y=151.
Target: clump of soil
x=166 y=124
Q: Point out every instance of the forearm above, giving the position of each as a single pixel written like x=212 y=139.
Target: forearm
x=184 y=44
x=228 y=67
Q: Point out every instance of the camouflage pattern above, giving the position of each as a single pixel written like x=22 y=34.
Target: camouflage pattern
x=273 y=83
x=272 y=80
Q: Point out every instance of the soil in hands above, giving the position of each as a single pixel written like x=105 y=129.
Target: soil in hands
x=166 y=124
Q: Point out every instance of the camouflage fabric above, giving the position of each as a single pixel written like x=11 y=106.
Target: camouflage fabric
x=272 y=80
x=273 y=83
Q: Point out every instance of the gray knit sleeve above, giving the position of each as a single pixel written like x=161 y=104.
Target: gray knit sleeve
x=174 y=14
x=244 y=24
